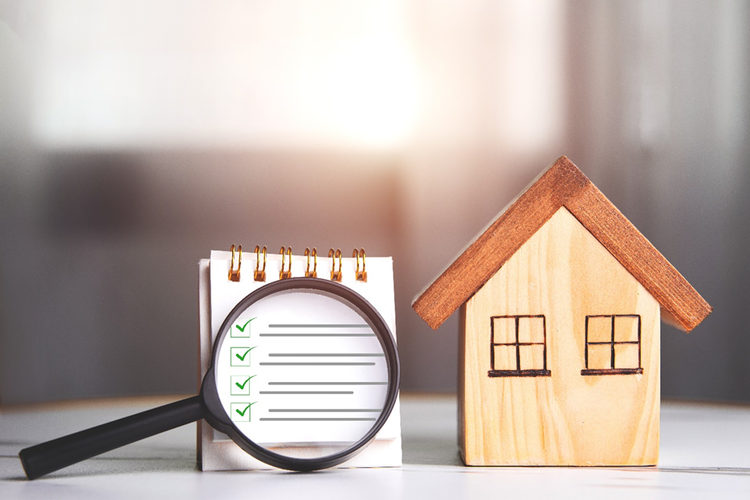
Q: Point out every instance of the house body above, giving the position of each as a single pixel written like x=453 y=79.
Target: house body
x=560 y=304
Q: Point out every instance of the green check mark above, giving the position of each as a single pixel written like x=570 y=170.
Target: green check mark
x=242 y=412
x=242 y=357
x=242 y=328
x=243 y=384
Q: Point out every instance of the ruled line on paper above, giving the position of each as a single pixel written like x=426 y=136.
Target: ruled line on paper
x=314 y=325
x=306 y=392
x=327 y=410
x=326 y=355
x=343 y=419
x=300 y=363
x=317 y=335
x=328 y=383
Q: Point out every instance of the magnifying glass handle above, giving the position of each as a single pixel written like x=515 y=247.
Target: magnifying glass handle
x=53 y=455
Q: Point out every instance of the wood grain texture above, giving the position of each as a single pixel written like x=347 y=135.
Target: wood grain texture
x=681 y=304
x=499 y=242
x=566 y=418
x=561 y=185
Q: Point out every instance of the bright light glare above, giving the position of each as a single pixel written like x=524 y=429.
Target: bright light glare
x=294 y=73
x=372 y=93
x=531 y=100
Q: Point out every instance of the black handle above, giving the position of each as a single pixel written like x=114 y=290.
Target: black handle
x=53 y=455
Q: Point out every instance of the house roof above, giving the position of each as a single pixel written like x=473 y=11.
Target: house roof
x=562 y=185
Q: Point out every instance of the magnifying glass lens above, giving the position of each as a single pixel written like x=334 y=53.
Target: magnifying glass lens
x=302 y=373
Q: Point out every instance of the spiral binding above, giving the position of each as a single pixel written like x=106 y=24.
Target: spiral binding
x=286 y=272
x=286 y=263
x=234 y=274
x=314 y=272
x=335 y=275
x=260 y=274
x=360 y=275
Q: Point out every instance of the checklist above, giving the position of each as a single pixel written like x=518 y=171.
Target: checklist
x=300 y=370
x=316 y=372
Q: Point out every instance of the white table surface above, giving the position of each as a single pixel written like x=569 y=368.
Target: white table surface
x=705 y=453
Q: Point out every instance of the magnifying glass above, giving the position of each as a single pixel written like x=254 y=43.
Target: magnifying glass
x=300 y=396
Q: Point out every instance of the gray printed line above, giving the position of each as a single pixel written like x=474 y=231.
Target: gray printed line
x=328 y=383
x=370 y=363
x=358 y=325
x=317 y=334
x=332 y=410
x=318 y=419
x=326 y=355
x=306 y=392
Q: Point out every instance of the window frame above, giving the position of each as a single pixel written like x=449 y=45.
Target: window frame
x=518 y=372
x=612 y=342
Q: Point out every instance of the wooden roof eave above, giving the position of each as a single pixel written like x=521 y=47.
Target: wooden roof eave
x=563 y=184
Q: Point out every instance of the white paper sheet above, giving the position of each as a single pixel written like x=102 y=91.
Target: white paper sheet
x=275 y=335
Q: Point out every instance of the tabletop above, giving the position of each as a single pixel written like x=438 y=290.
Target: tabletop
x=705 y=453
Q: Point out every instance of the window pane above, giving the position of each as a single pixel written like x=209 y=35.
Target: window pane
x=599 y=328
x=532 y=357
x=504 y=330
x=505 y=357
x=531 y=330
x=626 y=356
x=600 y=357
x=626 y=329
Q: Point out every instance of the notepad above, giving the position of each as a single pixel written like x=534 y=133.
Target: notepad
x=321 y=364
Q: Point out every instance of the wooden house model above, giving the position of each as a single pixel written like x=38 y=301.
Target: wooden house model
x=560 y=305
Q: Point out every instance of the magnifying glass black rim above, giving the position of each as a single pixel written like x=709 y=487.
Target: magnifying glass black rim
x=216 y=414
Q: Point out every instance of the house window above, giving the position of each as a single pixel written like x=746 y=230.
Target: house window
x=518 y=346
x=613 y=344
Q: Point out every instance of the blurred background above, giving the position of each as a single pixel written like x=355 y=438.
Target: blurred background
x=136 y=136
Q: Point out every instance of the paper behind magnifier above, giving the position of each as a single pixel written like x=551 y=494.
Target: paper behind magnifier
x=219 y=296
